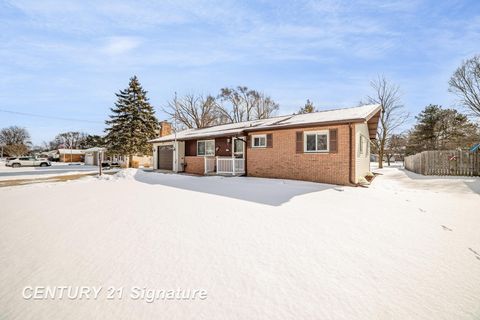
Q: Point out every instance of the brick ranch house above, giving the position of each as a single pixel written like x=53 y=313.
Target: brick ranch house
x=330 y=146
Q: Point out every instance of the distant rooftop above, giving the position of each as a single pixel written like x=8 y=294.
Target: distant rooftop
x=71 y=151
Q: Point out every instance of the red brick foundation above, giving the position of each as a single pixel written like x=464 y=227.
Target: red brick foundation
x=195 y=165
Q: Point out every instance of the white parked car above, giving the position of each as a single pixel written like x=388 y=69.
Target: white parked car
x=27 y=162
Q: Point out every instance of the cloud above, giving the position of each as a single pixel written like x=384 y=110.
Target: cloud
x=120 y=45
x=325 y=50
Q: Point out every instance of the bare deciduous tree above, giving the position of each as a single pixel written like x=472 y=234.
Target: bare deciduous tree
x=465 y=83
x=194 y=111
x=15 y=140
x=242 y=104
x=392 y=115
x=395 y=147
x=69 y=140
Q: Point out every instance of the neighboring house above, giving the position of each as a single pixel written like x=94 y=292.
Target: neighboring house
x=330 y=146
x=70 y=155
x=142 y=161
x=94 y=155
x=52 y=155
x=145 y=161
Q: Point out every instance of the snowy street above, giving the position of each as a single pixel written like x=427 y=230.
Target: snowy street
x=407 y=247
x=57 y=169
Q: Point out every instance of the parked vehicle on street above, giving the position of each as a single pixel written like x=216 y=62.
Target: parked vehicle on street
x=27 y=162
x=109 y=164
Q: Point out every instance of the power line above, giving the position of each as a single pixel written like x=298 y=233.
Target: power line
x=48 y=117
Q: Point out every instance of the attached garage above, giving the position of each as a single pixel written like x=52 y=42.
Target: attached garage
x=165 y=157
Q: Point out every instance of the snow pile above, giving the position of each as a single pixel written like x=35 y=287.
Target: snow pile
x=126 y=173
x=408 y=247
x=123 y=174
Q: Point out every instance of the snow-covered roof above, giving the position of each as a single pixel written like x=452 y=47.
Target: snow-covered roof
x=364 y=112
x=95 y=149
x=71 y=151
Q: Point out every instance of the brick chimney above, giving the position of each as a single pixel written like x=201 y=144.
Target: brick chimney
x=165 y=128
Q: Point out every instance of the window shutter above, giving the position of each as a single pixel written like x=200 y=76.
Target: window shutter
x=299 y=141
x=249 y=141
x=269 y=140
x=333 y=140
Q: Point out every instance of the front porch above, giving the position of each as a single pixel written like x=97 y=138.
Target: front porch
x=217 y=156
x=224 y=166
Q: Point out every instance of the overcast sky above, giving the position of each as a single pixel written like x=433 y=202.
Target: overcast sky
x=66 y=59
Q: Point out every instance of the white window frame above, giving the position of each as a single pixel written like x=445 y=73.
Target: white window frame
x=363 y=150
x=236 y=153
x=316 y=133
x=264 y=136
x=360 y=144
x=206 y=155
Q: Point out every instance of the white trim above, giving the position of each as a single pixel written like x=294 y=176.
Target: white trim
x=243 y=147
x=316 y=133
x=206 y=155
x=360 y=142
x=363 y=151
x=264 y=136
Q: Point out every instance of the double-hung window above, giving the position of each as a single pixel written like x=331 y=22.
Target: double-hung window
x=316 y=141
x=259 y=141
x=206 y=148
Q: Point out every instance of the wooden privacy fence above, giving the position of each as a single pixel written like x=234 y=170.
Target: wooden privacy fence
x=444 y=163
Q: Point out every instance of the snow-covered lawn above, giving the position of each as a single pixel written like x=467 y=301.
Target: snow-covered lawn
x=408 y=247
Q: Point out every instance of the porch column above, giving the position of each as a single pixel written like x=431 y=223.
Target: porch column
x=233 y=155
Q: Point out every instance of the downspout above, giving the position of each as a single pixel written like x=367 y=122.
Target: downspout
x=351 y=155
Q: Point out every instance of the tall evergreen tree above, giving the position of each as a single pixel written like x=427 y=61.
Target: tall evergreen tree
x=132 y=122
x=441 y=129
x=307 y=108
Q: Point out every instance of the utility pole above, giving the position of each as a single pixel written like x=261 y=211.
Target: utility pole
x=175 y=153
x=70 y=137
x=100 y=160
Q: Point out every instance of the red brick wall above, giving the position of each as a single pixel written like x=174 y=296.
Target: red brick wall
x=282 y=161
x=195 y=165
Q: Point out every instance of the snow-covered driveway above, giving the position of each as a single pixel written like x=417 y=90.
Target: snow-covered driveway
x=408 y=247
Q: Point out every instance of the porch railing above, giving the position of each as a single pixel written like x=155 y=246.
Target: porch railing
x=228 y=165
x=209 y=164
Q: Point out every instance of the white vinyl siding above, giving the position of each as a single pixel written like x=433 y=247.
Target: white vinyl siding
x=362 y=150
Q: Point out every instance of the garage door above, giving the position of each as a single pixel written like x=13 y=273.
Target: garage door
x=165 y=157
x=89 y=159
